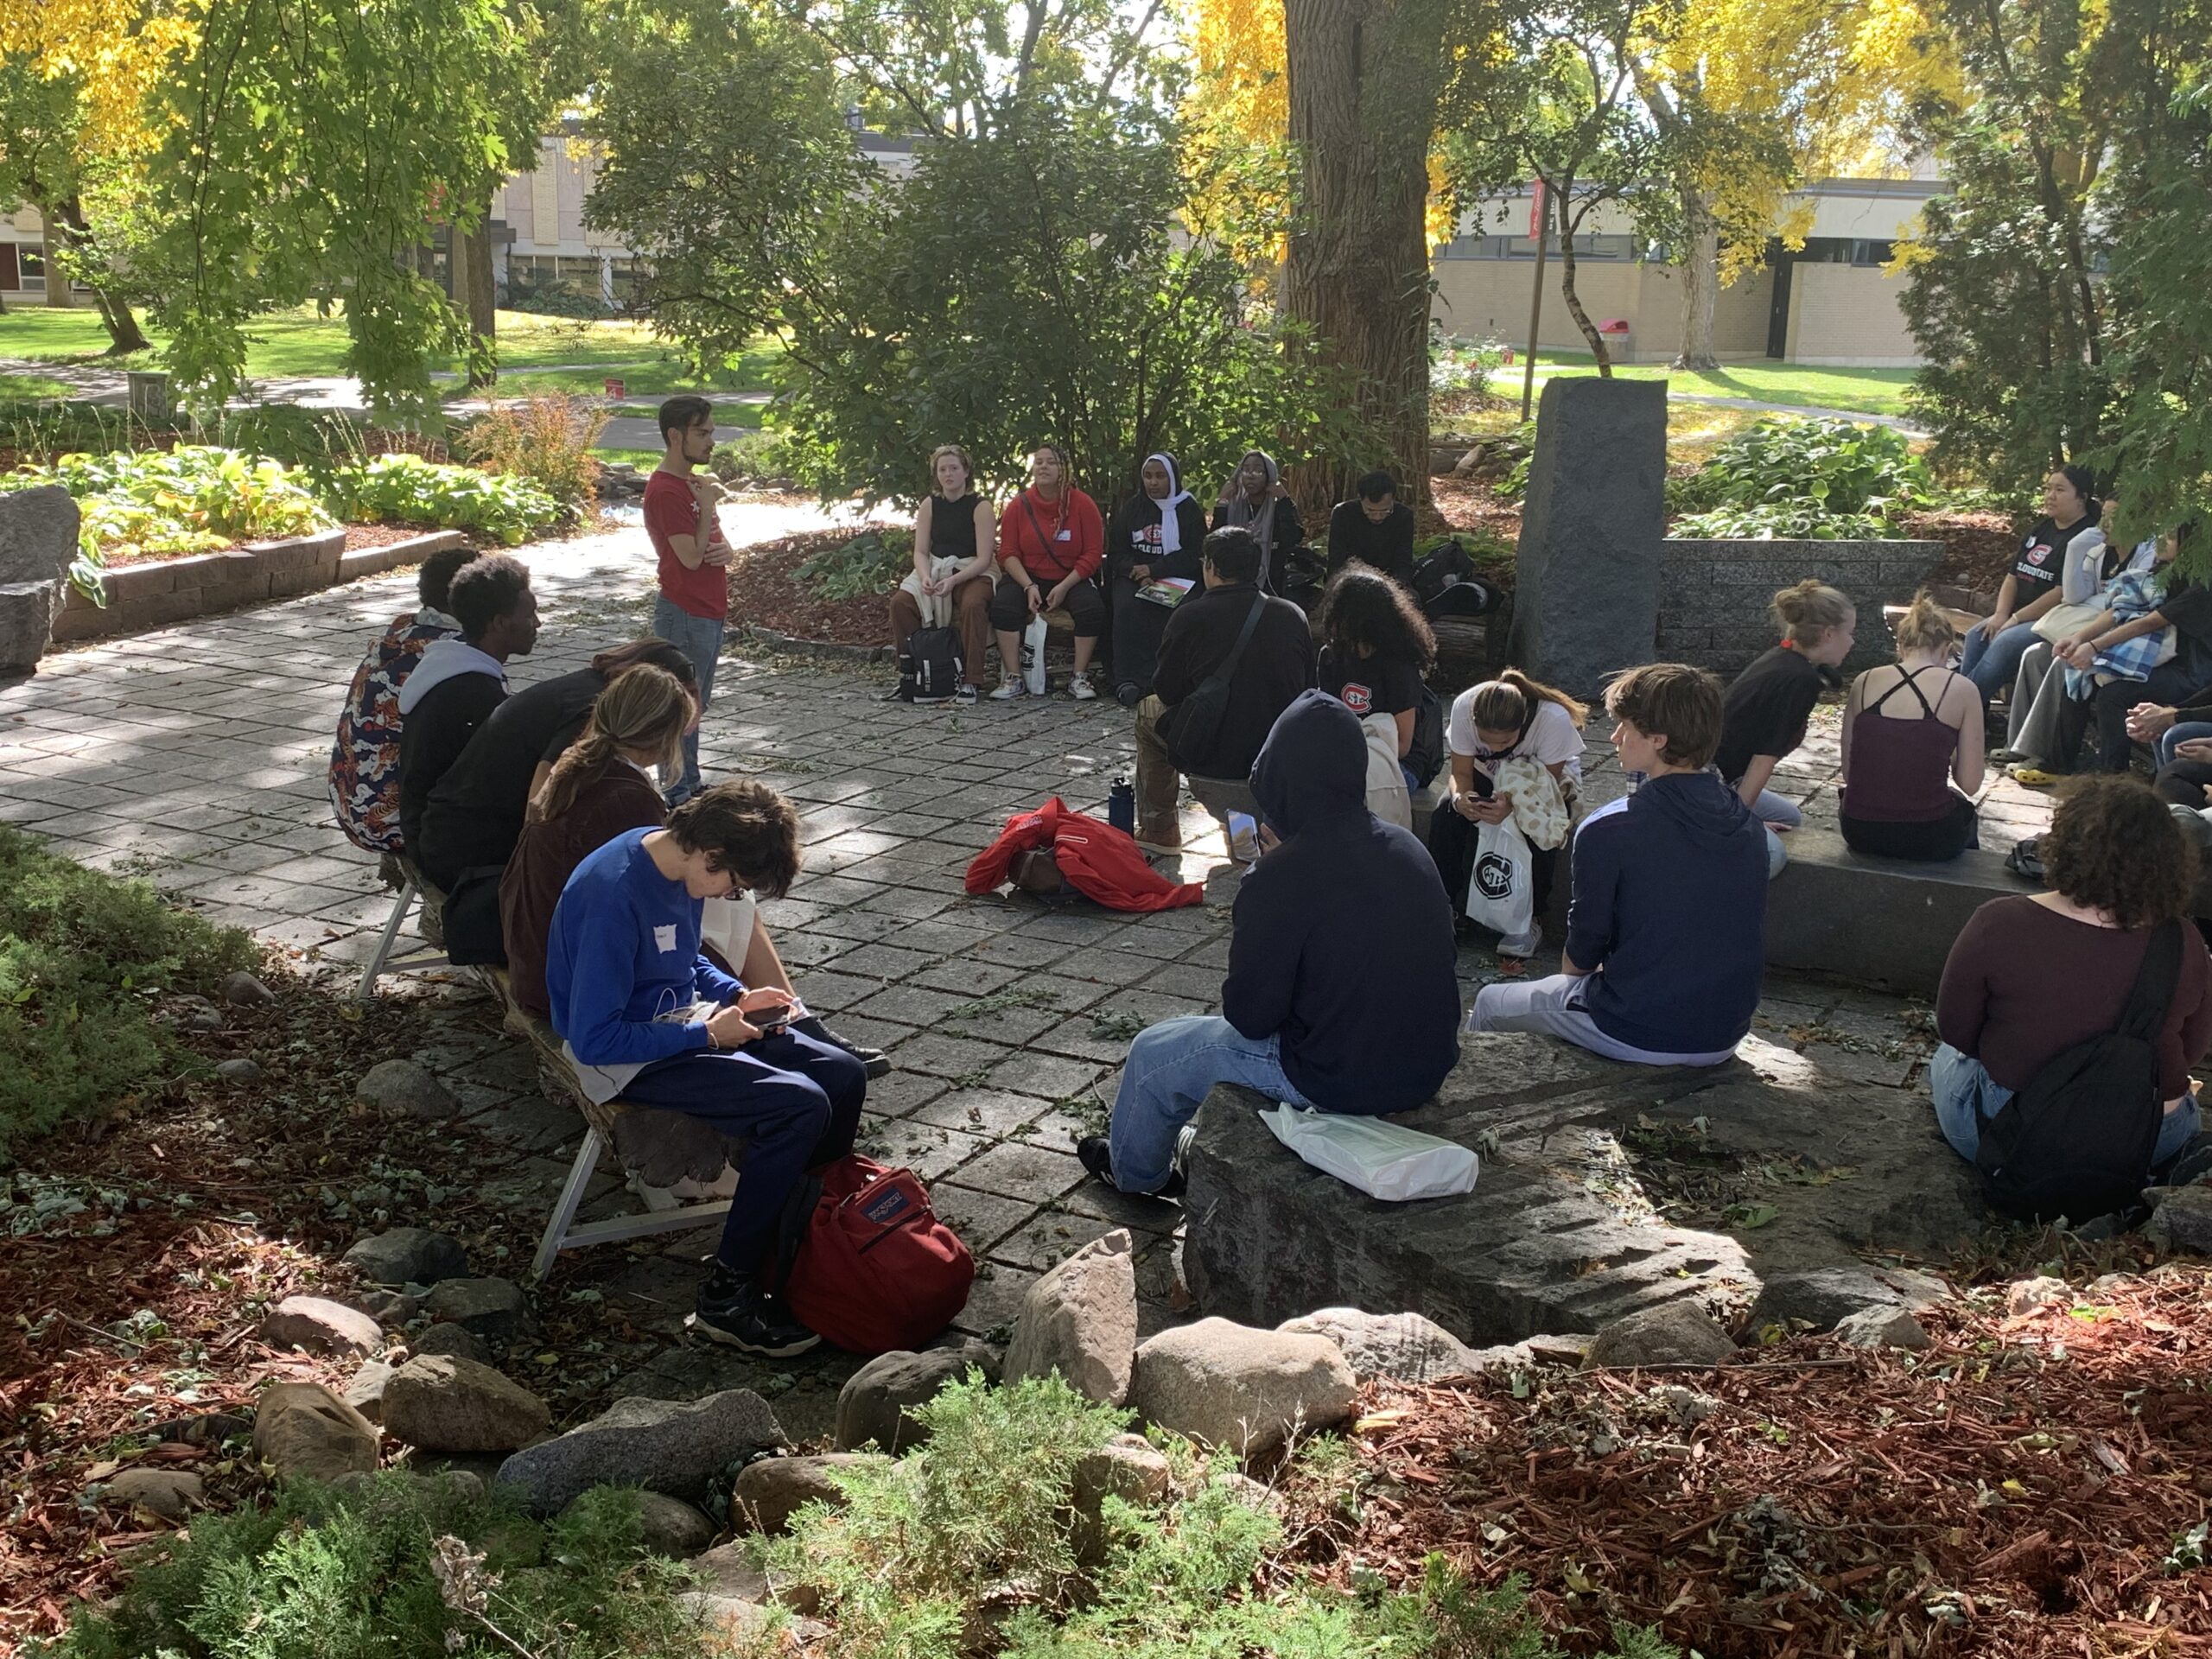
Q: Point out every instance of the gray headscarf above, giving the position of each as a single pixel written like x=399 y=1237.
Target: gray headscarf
x=1239 y=511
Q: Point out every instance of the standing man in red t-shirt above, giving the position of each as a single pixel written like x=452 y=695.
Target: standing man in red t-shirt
x=694 y=558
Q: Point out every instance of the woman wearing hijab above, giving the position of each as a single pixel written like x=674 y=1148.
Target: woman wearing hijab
x=1255 y=501
x=1156 y=534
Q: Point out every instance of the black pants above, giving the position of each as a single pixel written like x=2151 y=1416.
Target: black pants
x=1086 y=608
x=2107 y=709
x=2184 y=783
x=1451 y=843
x=1138 y=624
x=472 y=917
x=1930 y=840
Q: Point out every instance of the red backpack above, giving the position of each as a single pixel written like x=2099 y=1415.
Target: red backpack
x=869 y=1266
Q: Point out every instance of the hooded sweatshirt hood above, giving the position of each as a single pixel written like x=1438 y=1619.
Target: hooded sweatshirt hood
x=1313 y=767
x=1708 y=813
x=446 y=659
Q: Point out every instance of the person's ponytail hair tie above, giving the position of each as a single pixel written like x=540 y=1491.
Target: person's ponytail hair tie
x=1808 y=609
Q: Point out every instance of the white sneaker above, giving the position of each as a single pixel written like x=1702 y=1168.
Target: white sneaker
x=1010 y=689
x=1526 y=945
x=1081 y=688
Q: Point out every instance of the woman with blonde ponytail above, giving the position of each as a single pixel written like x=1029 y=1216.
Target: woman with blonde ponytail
x=1911 y=730
x=600 y=787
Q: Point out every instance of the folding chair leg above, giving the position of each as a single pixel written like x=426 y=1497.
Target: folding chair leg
x=399 y=909
x=572 y=1197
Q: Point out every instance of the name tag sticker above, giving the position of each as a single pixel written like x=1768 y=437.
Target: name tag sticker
x=1065 y=535
x=665 y=937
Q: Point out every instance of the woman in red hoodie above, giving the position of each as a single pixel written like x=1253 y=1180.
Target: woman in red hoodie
x=1052 y=542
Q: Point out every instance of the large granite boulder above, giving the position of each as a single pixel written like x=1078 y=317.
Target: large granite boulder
x=1585 y=595
x=38 y=544
x=1557 y=1236
x=662 y=1445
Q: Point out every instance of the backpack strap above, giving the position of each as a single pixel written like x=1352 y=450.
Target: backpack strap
x=1217 y=681
x=2155 y=984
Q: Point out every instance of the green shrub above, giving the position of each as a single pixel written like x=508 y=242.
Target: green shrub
x=1785 y=477
x=401 y=1569
x=316 y=440
x=38 y=429
x=1463 y=365
x=874 y=561
x=547 y=439
x=78 y=952
x=410 y=490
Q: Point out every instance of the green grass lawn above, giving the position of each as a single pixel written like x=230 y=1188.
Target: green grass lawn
x=1865 y=391
x=537 y=353
x=32 y=385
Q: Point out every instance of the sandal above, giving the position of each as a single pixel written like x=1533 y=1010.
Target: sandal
x=1513 y=968
x=2036 y=777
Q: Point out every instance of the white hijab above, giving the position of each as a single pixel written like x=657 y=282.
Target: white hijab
x=1171 y=527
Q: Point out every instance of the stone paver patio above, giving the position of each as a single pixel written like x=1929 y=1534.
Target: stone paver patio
x=196 y=756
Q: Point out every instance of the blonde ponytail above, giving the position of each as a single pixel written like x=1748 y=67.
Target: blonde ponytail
x=643 y=708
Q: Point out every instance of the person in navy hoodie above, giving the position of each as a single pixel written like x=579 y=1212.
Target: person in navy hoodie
x=1341 y=991
x=642 y=1013
x=1665 y=930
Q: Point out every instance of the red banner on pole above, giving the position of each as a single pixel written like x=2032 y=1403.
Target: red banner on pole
x=1535 y=210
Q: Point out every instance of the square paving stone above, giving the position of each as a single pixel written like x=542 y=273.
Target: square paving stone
x=970 y=978
x=1052 y=1076
x=946 y=1056
x=1014 y=1170
x=993 y=1112
x=901 y=1093
x=882 y=961
x=826 y=990
x=930 y=1152
x=915 y=1005
x=1197 y=983
x=1045 y=1240
x=1019 y=950
x=809 y=950
x=994 y=1299
x=916 y=903
x=980 y=1218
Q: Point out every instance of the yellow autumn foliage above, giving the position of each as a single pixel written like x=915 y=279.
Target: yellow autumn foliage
x=118 y=54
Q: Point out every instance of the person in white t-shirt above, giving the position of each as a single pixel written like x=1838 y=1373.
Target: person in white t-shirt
x=1511 y=717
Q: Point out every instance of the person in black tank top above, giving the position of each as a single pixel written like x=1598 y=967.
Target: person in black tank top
x=954 y=524
x=1899 y=770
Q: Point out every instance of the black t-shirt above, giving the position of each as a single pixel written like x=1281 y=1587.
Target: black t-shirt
x=1766 y=710
x=2042 y=562
x=1370 y=685
x=2188 y=606
x=475 y=812
x=1387 y=546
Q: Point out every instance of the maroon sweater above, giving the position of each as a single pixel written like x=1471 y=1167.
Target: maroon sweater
x=617 y=796
x=2023 y=984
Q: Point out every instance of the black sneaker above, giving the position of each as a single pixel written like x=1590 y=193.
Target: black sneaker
x=738 y=1314
x=967 y=693
x=1095 y=1153
x=876 y=1063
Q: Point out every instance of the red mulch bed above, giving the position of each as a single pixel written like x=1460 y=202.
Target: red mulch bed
x=1979 y=547
x=765 y=592
x=2015 y=1490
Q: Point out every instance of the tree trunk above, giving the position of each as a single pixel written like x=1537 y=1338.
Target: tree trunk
x=1362 y=109
x=1566 y=229
x=69 y=228
x=1700 y=283
x=474 y=291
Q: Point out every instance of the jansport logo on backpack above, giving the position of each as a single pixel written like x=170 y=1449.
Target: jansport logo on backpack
x=2077 y=1141
x=871 y=1267
x=930 y=665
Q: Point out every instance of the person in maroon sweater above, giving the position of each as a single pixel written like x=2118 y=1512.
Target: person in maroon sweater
x=1052 y=542
x=2031 y=977
x=598 y=789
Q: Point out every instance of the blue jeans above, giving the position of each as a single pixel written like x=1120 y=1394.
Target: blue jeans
x=1171 y=1067
x=699 y=637
x=796 y=1101
x=1967 y=1097
x=1993 y=664
x=2177 y=734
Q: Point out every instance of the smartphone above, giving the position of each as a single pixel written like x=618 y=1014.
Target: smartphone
x=1243 y=837
x=772 y=1021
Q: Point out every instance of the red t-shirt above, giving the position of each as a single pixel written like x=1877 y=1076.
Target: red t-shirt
x=1053 y=539
x=672 y=510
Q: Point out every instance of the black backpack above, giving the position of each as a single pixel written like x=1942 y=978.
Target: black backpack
x=930 y=665
x=1426 y=757
x=2076 y=1142
x=1447 y=585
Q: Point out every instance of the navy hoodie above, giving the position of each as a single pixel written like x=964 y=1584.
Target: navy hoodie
x=1669 y=915
x=1343 y=934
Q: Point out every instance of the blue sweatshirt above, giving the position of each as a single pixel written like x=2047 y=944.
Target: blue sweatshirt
x=1343 y=934
x=624 y=950
x=1669 y=915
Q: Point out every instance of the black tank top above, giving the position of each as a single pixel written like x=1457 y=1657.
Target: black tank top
x=952 y=527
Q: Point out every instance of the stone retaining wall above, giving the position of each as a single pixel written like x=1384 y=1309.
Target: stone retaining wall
x=165 y=591
x=1713 y=594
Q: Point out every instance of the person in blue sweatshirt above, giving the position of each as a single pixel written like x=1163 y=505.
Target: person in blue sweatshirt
x=1665 y=930
x=1341 y=991
x=642 y=1013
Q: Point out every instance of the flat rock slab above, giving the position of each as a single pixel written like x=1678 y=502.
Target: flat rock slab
x=1560 y=1233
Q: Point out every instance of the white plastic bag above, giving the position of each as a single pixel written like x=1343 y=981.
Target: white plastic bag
x=1384 y=1161
x=1032 y=655
x=1501 y=891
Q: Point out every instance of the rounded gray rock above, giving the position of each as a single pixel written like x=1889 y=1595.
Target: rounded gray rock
x=408 y=1255
x=303 y=1429
x=664 y=1446
x=1402 y=1347
x=442 y=1403
x=1882 y=1327
x=672 y=1527
x=770 y=1491
x=173 y=1493
x=319 y=1325
x=456 y=1339
x=243 y=990
x=240 y=1069
x=492 y=1308
x=1672 y=1333
x=1229 y=1385
x=873 y=1406
x=1080 y=1320
x=405 y=1088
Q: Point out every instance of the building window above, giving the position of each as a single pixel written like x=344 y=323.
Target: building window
x=33 y=267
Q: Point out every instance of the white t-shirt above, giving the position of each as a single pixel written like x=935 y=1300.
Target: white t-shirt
x=1553 y=737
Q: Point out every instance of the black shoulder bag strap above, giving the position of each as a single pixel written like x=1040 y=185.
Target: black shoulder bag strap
x=1217 y=681
x=2155 y=984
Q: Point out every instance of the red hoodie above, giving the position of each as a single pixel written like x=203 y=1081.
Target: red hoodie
x=1099 y=861
x=1053 y=538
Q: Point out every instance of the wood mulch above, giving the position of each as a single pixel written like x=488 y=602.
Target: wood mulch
x=2027 y=1487
x=764 y=591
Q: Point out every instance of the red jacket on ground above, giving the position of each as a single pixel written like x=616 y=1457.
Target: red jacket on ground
x=1099 y=861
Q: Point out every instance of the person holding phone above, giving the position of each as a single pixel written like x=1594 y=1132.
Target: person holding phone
x=646 y=1016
